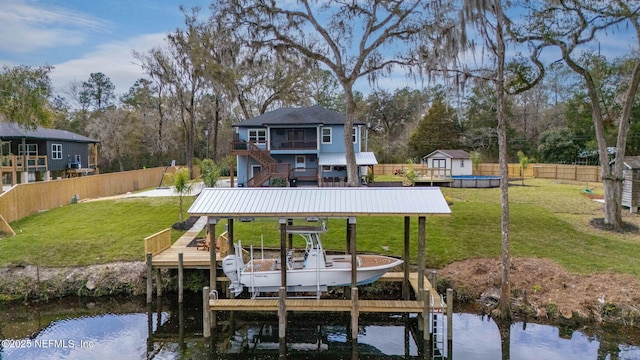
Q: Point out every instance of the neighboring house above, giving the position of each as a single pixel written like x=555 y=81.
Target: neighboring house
x=449 y=162
x=297 y=145
x=44 y=154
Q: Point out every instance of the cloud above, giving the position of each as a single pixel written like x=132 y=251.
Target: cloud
x=28 y=26
x=114 y=59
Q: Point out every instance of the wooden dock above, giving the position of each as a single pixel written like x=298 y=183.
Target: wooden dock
x=337 y=305
x=193 y=258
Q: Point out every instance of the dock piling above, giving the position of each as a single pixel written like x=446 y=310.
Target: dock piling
x=355 y=313
x=180 y=277
x=149 y=279
x=282 y=314
x=206 y=312
x=449 y=322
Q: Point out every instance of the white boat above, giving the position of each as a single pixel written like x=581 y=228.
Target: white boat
x=314 y=271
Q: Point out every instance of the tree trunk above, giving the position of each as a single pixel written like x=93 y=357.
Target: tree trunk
x=504 y=305
x=216 y=123
x=352 y=168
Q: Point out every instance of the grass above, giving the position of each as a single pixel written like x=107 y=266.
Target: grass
x=549 y=219
x=89 y=232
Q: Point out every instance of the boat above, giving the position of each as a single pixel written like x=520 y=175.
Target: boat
x=311 y=270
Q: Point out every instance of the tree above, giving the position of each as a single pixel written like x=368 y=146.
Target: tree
x=391 y=117
x=97 y=93
x=558 y=146
x=438 y=129
x=24 y=95
x=571 y=27
x=182 y=185
x=515 y=76
x=210 y=172
x=347 y=37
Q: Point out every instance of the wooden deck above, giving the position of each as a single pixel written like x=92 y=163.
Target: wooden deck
x=192 y=258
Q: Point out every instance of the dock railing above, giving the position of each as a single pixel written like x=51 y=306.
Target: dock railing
x=158 y=242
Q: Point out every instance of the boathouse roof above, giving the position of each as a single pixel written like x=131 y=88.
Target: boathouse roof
x=319 y=202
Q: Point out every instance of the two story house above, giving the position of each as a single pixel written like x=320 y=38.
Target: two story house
x=296 y=146
x=44 y=154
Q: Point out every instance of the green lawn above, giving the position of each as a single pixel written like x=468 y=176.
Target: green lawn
x=549 y=219
x=89 y=232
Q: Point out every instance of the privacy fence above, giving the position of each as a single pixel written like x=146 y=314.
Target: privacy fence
x=26 y=199
x=546 y=171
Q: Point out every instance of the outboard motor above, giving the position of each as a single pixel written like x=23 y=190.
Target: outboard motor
x=231 y=269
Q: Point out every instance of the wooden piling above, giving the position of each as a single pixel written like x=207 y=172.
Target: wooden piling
x=426 y=315
x=282 y=314
x=159 y=284
x=213 y=275
x=149 y=278
x=405 y=257
x=355 y=313
x=180 y=277
x=206 y=312
x=421 y=251
x=449 y=322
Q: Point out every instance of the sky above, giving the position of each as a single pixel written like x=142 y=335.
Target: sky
x=79 y=37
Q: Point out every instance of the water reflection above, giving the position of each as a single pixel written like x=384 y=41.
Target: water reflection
x=127 y=329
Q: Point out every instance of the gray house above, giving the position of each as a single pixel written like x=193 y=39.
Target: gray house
x=44 y=154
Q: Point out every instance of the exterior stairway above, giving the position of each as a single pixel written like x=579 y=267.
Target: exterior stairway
x=270 y=167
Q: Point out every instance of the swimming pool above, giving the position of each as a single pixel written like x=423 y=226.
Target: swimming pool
x=475 y=181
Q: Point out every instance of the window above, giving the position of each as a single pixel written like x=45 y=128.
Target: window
x=326 y=135
x=259 y=136
x=461 y=162
x=300 y=163
x=56 y=151
x=355 y=134
x=28 y=149
x=326 y=168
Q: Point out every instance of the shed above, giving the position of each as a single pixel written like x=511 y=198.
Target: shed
x=457 y=162
x=631 y=183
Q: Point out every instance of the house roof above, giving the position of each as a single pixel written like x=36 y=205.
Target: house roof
x=319 y=202
x=334 y=158
x=453 y=154
x=632 y=162
x=313 y=115
x=13 y=130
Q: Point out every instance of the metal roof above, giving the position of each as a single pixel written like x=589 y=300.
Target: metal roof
x=319 y=202
x=13 y=130
x=334 y=158
x=312 y=115
x=454 y=154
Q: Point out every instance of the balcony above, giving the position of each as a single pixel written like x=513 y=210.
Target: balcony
x=294 y=139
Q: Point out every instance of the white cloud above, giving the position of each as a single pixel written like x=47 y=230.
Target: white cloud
x=114 y=59
x=28 y=26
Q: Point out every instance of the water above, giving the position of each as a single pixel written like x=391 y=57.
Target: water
x=121 y=328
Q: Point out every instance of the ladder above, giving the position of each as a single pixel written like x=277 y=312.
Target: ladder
x=438 y=334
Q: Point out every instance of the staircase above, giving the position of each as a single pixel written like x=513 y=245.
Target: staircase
x=270 y=166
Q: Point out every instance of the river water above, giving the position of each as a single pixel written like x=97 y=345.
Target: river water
x=116 y=328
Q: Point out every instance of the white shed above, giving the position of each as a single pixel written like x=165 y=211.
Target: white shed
x=456 y=161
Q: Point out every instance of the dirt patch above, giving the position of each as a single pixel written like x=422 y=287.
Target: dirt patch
x=32 y=283
x=542 y=289
x=627 y=227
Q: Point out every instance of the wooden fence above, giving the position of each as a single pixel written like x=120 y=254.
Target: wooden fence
x=546 y=171
x=158 y=242
x=25 y=199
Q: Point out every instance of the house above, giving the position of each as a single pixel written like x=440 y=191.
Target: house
x=449 y=162
x=296 y=146
x=44 y=154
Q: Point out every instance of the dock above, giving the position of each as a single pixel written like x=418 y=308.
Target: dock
x=338 y=305
x=193 y=258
